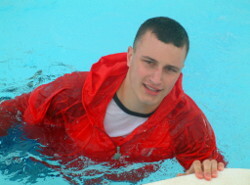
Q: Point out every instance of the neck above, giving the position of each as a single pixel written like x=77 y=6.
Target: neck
x=129 y=100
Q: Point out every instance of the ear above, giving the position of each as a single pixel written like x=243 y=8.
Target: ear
x=129 y=55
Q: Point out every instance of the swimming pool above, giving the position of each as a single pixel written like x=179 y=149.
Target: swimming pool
x=41 y=40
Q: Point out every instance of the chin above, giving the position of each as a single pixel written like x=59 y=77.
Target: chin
x=152 y=103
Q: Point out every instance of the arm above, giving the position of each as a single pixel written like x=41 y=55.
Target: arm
x=196 y=149
x=11 y=112
x=47 y=104
x=30 y=108
x=53 y=103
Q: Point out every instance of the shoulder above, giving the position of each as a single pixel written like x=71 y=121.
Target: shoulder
x=189 y=121
x=71 y=81
x=67 y=87
x=185 y=108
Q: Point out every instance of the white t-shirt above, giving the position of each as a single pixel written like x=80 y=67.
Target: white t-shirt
x=119 y=121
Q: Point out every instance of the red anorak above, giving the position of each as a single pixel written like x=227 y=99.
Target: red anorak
x=77 y=103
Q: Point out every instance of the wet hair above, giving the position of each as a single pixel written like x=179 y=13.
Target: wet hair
x=166 y=30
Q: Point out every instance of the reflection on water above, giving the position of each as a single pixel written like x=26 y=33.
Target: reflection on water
x=16 y=154
x=9 y=88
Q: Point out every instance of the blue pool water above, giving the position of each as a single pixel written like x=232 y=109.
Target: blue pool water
x=41 y=40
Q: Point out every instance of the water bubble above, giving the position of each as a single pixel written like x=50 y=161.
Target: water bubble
x=8 y=162
x=24 y=169
x=6 y=172
x=17 y=160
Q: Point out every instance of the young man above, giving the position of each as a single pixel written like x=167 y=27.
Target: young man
x=129 y=108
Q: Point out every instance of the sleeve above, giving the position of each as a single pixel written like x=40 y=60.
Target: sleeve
x=11 y=112
x=45 y=102
x=49 y=103
x=194 y=136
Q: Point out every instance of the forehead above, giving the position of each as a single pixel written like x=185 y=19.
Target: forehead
x=166 y=53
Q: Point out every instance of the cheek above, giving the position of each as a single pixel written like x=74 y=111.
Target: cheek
x=141 y=73
x=138 y=74
x=135 y=78
x=170 y=81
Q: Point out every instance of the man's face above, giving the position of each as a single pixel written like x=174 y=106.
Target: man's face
x=154 y=68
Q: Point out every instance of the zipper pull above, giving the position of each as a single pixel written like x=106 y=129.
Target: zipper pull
x=117 y=154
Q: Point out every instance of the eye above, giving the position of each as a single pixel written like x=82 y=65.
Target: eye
x=149 y=61
x=171 y=69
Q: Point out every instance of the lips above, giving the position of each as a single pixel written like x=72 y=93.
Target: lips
x=152 y=90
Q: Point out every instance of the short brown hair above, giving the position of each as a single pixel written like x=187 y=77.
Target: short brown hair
x=166 y=30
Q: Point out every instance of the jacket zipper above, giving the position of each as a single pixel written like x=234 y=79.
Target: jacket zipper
x=118 y=154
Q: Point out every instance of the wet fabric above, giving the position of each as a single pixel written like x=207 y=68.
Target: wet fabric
x=76 y=103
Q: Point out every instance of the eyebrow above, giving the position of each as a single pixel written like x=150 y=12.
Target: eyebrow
x=167 y=66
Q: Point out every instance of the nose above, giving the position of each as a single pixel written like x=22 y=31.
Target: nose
x=156 y=76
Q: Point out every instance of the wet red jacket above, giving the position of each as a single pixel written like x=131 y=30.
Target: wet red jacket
x=77 y=103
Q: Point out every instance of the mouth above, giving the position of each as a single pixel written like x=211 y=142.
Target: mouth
x=152 y=90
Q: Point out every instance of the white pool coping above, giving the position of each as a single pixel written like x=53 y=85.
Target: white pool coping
x=229 y=176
